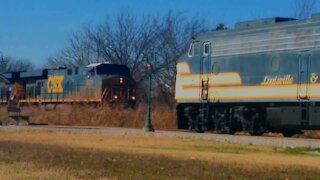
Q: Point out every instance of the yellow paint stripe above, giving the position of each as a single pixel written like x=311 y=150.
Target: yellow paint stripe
x=184 y=77
x=252 y=92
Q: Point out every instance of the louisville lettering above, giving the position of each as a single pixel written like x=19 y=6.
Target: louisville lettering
x=277 y=80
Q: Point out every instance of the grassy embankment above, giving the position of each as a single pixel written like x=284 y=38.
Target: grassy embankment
x=53 y=155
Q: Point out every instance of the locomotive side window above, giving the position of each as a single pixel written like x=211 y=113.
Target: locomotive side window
x=206 y=48
x=69 y=71
x=275 y=63
x=191 y=50
x=215 y=68
x=194 y=49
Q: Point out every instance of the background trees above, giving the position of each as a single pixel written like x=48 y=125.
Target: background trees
x=303 y=9
x=14 y=64
x=127 y=39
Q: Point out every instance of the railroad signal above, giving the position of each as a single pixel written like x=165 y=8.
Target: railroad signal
x=149 y=68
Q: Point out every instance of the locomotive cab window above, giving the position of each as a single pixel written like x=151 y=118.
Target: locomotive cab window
x=191 y=50
x=206 y=48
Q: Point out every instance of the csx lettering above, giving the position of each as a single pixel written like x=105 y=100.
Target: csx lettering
x=55 y=84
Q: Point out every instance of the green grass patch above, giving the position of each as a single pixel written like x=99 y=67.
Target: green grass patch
x=216 y=148
x=302 y=151
x=220 y=148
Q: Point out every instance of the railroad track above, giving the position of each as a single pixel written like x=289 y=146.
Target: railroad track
x=223 y=138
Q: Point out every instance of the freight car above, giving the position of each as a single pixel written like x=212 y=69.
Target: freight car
x=261 y=76
x=95 y=83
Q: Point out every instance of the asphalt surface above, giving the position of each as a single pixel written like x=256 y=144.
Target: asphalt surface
x=236 y=139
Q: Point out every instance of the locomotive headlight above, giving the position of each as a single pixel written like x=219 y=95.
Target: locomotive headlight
x=115 y=97
x=121 y=80
x=133 y=98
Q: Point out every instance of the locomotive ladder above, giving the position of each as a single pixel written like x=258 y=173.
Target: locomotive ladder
x=305 y=110
x=304 y=67
x=14 y=111
x=205 y=67
x=204 y=109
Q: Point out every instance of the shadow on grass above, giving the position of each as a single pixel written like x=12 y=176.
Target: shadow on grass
x=91 y=164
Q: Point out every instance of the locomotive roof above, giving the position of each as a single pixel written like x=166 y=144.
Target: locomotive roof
x=265 y=35
x=113 y=69
x=101 y=69
x=267 y=24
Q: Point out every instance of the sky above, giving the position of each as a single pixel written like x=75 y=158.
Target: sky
x=39 y=29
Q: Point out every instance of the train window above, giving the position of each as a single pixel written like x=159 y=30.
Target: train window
x=90 y=73
x=206 y=48
x=275 y=63
x=191 y=50
x=76 y=71
x=215 y=68
x=69 y=71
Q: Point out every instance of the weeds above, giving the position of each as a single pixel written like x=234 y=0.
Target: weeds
x=163 y=117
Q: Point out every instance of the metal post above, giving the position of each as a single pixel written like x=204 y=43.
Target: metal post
x=148 y=127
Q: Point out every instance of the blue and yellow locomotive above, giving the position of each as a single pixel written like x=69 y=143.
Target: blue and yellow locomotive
x=95 y=83
x=261 y=76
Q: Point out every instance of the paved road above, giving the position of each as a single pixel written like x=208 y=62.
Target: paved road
x=249 y=140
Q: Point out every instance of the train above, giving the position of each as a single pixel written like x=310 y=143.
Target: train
x=103 y=83
x=261 y=76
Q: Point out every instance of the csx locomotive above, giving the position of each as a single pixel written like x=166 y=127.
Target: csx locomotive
x=95 y=83
x=261 y=76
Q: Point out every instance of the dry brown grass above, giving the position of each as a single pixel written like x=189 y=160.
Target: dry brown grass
x=312 y=134
x=88 y=115
x=38 y=154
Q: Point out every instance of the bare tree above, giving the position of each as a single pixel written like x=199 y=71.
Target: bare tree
x=78 y=53
x=122 y=40
x=173 y=41
x=11 y=64
x=302 y=9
